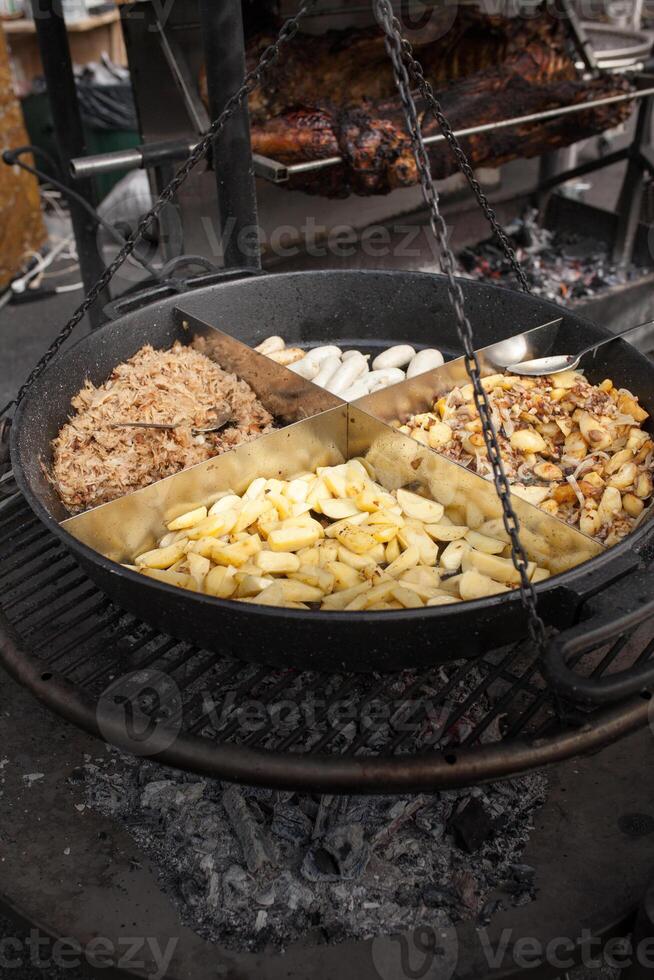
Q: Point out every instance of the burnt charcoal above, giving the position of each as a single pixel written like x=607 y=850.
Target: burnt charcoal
x=236 y=881
x=294 y=894
x=430 y=820
x=437 y=897
x=265 y=898
x=291 y=824
x=258 y=850
x=200 y=826
x=468 y=259
x=408 y=895
x=523 y=872
x=558 y=265
x=371 y=864
x=193 y=890
x=471 y=825
x=343 y=854
x=324 y=814
x=489 y=910
x=468 y=890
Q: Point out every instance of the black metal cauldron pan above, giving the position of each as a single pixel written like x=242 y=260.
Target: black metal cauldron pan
x=369 y=310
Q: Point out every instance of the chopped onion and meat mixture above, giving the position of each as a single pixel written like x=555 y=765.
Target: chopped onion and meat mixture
x=574 y=449
x=95 y=462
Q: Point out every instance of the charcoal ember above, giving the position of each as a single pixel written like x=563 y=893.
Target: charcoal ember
x=265 y=898
x=408 y=895
x=467 y=888
x=213 y=891
x=343 y=854
x=292 y=893
x=159 y=795
x=523 y=873
x=199 y=826
x=494 y=732
x=559 y=265
x=291 y=824
x=403 y=845
x=406 y=869
x=471 y=825
x=193 y=889
x=438 y=897
x=329 y=810
x=490 y=908
x=430 y=821
x=397 y=809
x=322 y=817
x=237 y=887
x=258 y=849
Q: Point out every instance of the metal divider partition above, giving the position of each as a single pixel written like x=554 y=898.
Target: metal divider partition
x=320 y=430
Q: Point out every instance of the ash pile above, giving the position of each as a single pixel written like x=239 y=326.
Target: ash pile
x=254 y=868
x=561 y=265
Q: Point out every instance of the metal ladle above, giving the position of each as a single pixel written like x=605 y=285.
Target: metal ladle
x=223 y=416
x=556 y=363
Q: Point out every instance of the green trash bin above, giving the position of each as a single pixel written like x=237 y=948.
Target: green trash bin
x=99 y=131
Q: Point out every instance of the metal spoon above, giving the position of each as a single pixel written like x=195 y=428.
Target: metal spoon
x=223 y=416
x=568 y=362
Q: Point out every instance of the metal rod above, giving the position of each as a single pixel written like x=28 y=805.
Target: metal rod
x=584 y=168
x=69 y=133
x=147 y=155
x=312 y=165
x=155 y=154
x=224 y=57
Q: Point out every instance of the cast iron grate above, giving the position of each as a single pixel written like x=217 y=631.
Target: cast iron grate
x=79 y=635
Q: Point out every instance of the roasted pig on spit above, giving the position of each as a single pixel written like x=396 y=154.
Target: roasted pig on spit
x=333 y=95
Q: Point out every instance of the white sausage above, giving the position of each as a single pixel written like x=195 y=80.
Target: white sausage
x=359 y=389
x=305 y=368
x=319 y=354
x=347 y=374
x=328 y=367
x=394 y=357
x=353 y=353
x=382 y=379
x=425 y=360
x=270 y=345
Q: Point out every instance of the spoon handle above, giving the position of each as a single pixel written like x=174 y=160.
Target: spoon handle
x=641 y=336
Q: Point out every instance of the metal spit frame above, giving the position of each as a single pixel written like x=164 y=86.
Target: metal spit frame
x=64 y=106
x=235 y=165
x=279 y=173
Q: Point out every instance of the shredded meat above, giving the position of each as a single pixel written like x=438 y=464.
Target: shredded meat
x=94 y=462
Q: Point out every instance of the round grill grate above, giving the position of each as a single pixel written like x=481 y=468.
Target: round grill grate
x=460 y=724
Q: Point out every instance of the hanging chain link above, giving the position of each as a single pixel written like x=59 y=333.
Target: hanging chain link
x=396 y=49
x=250 y=82
x=427 y=92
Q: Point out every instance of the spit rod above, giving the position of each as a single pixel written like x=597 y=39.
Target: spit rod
x=312 y=165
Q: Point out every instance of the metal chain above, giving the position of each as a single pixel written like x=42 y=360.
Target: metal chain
x=250 y=82
x=395 y=49
x=428 y=95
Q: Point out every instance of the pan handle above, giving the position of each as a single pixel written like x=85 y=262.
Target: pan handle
x=616 y=610
x=169 y=284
